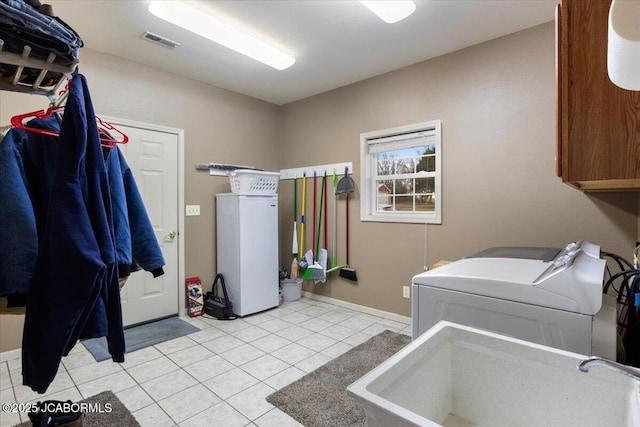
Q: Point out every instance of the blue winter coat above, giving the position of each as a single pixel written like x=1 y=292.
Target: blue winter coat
x=26 y=162
x=74 y=293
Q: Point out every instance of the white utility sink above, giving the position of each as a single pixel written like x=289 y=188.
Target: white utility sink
x=454 y=375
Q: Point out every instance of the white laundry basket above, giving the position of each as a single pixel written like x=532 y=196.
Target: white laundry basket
x=251 y=182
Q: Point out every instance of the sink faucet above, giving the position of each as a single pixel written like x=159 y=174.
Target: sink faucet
x=614 y=366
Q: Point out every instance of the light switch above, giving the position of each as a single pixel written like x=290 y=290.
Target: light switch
x=193 y=210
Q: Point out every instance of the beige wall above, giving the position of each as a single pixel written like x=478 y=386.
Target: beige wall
x=496 y=101
x=497 y=104
x=220 y=126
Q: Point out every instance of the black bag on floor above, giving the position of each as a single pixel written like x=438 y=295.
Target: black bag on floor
x=216 y=306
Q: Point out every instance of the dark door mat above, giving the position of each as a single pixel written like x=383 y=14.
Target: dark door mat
x=142 y=336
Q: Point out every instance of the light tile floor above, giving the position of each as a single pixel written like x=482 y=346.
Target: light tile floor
x=223 y=372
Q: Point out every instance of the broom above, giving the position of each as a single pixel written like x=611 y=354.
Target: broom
x=347 y=272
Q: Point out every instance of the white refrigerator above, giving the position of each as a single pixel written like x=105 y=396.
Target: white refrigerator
x=247 y=250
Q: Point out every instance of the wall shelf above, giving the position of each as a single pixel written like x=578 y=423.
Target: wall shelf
x=50 y=77
x=318 y=169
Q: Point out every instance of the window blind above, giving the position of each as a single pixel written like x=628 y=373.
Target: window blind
x=405 y=140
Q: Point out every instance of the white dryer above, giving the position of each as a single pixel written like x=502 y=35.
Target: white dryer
x=549 y=296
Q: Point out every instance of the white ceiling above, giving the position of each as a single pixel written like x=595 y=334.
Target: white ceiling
x=335 y=43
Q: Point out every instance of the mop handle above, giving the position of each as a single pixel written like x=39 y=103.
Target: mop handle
x=320 y=220
x=315 y=195
x=304 y=198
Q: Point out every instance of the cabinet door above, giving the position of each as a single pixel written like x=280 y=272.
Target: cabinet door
x=600 y=122
x=559 y=98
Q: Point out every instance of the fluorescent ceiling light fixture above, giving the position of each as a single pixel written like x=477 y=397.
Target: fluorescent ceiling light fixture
x=391 y=11
x=205 y=25
x=623 y=52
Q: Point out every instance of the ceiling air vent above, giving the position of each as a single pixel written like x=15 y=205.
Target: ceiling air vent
x=160 y=40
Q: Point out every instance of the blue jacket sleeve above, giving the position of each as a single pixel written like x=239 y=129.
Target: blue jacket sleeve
x=144 y=244
x=121 y=227
x=18 y=236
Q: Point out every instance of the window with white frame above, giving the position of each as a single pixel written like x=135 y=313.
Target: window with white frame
x=401 y=174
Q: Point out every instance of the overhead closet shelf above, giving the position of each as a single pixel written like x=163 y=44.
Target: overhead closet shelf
x=50 y=77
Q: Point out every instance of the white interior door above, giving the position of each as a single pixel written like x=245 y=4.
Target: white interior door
x=153 y=158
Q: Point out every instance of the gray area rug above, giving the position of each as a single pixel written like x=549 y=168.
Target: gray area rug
x=320 y=399
x=117 y=416
x=142 y=336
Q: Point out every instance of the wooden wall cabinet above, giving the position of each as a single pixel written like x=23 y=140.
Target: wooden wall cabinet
x=598 y=123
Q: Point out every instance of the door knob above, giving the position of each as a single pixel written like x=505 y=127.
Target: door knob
x=172 y=235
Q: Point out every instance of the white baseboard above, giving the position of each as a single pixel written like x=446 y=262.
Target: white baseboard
x=361 y=308
x=5 y=356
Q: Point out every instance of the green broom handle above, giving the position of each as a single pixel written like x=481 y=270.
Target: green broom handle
x=320 y=218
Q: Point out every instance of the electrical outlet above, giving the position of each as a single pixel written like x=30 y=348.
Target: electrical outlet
x=193 y=210
x=406 y=292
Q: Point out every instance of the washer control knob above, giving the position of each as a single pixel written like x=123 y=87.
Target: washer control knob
x=561 y=261
x=571 y=246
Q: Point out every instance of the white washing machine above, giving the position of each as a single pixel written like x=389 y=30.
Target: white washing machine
x=549 y=296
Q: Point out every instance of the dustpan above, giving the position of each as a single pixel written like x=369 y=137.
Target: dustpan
x=346 y=183
x=314 y=272
x=322 y=260
x=317 y=270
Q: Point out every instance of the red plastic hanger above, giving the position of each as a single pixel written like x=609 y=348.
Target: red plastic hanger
x=107 y=137
x=105 y=129
x=18 y=120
